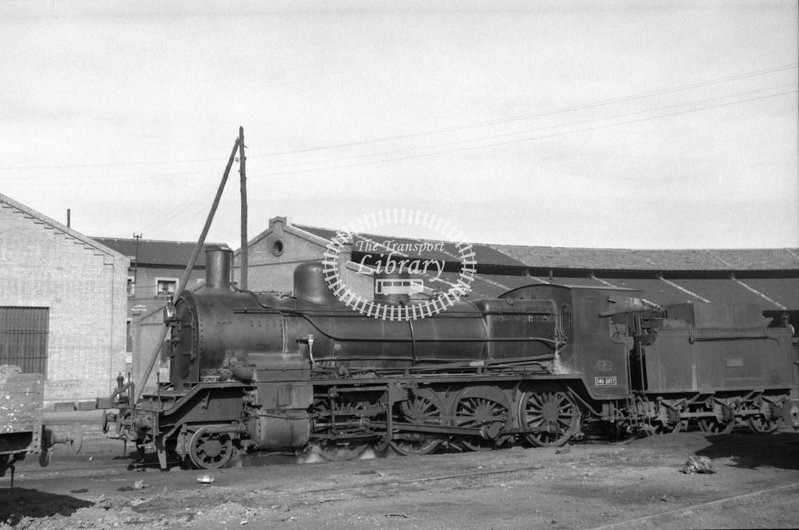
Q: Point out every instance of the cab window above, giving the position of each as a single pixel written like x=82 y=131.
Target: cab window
x=590 y=323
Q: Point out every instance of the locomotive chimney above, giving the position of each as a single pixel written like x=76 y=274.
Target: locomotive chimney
x=217 y=267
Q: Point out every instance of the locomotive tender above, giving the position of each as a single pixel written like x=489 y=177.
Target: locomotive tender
x=252 y=371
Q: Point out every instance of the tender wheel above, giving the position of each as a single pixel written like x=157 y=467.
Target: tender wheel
x=481 y=407
x=554 y=411
x=426 y=408
x=714 y=426
x=759 y=424
x=210 y=450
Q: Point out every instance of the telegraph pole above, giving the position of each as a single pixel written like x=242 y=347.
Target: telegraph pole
x=184 y=280
x=137 y=238
x=243 y=259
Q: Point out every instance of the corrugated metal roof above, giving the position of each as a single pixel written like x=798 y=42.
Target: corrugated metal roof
x=578 y=282
x=364 y=243
x=719 y=291
x=782 y=291
x=153 y=252
x=774 y=293
x=759 y=259
x=573 y=258
x=653 y=260
x=604 y=258
x=654 y=290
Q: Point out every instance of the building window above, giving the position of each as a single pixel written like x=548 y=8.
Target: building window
x=165 y=286
x=23 y=337
x=131 y=286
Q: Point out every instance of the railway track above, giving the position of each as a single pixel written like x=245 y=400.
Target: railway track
x=637 y=521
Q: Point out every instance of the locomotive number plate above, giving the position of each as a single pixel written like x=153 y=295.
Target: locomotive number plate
x=606 y=381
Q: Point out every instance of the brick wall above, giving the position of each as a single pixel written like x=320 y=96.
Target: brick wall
x=273 y=258
x=84 y=286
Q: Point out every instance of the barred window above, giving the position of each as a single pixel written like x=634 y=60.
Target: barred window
x=23 y=337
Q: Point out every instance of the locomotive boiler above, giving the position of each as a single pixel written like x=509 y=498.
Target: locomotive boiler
x=253 y=371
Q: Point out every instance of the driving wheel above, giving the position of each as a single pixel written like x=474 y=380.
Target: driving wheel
x=554 y=413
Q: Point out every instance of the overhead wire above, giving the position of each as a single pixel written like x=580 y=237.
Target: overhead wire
x=550 y=127
x=561 y=110
x=467 y=144
x=422 y=134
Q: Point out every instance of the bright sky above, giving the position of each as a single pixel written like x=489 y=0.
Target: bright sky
x=629 y=124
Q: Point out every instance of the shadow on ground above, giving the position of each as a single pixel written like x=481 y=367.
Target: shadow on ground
x=779 y=450
x=18 y=503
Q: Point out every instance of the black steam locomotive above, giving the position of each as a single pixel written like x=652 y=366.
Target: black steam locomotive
x=540 y=364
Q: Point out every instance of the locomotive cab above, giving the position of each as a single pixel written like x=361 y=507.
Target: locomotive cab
x=595 y=341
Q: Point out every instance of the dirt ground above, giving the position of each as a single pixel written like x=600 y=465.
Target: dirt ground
x=636 y=483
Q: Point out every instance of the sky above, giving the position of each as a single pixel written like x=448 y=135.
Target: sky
x=613 y=124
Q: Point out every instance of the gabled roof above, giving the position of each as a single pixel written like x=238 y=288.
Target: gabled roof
x=156 y=253
x=39 y=218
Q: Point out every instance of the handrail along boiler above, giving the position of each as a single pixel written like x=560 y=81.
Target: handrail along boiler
x=539 y=364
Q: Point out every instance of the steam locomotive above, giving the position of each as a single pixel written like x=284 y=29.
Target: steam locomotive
x=540 y=364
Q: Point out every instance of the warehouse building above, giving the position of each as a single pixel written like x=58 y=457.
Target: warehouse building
x=62 y=306
x=766 y=277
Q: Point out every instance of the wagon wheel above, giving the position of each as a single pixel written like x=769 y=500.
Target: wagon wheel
x=759 y=424
x=714 y=426
x=481 y=407
x=426 y=408
x=553 y=410
x=210 y=450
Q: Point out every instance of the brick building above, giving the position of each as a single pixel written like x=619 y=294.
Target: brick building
x=62 y=305
x=152 y=278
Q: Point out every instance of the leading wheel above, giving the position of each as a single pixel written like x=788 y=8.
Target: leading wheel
x=425 y=408
x=210 y=450
x=484 y=408
x=554 y=413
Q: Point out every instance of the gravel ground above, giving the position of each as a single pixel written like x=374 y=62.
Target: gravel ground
x=638 y=483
